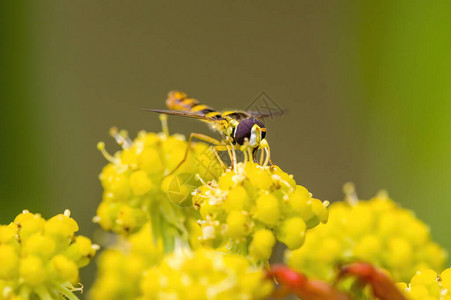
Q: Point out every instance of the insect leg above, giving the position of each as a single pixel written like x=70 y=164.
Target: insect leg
x=246 y=151
x=268 y=156
x=230 y=155
x=217 y=148
x=199 y=136
x=265 y=146
x=254 y=155
x=234 y=160
x=249 y=153
x=267 y=159
x=246 y=157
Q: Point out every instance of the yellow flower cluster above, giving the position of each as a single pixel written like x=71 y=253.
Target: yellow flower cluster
x=120 y=268
x=40 y=258
x=428 y=285
x=253 y=206
x=135 y=268
x=375 y=231
x=137 y=188
x=205 y=274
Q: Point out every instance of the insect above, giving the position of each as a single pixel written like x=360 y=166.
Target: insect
x=239 y=129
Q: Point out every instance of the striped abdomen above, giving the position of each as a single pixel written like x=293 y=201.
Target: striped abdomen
x=180 y=101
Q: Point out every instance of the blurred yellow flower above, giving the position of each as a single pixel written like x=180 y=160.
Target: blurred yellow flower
x=205 y=274
x=120 y=268
x=377 y=231
x=40 y=258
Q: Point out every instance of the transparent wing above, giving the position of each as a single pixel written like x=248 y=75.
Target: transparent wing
x=188 y=114
x=267 y=113
x=237 y=115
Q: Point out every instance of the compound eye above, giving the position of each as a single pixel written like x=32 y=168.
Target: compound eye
x=244 y=130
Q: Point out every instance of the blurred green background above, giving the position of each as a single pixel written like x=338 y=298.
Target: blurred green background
x=367 y=85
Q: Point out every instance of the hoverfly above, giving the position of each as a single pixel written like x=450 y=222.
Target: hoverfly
x=238 y=129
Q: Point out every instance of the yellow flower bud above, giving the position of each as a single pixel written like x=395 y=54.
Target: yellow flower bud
x=210 y=209
x=7 y=232
x=106 y=214
x=320 y=210
x=32 y=270
x=258 y=176
x=39 y=244
x=150 y=286
x=65 y=268
x=129 y=157
x=8 y=261
x=424 y=277
x=288 y=181
x=330 y=251
x=418 y=233
x=81 y=251
x=61 y=225
x=85 y=247
x=299 y=202
x=226 y=182
x=149 y=161
x=446 y=279
x=368 y=247
x=140 y=183
x=238 y=224
x=267 y=209
x=400 y=252
x=401 y=286
x=292 y=232
x=195 y=232
x=419 y=292
x=29 y=223
x=129 y=219
x=262 y=244
x=237 y=199
x=431 y=253
x=116 y=186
